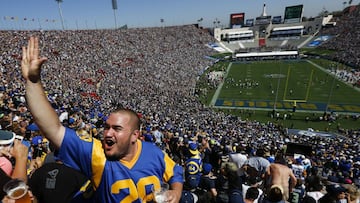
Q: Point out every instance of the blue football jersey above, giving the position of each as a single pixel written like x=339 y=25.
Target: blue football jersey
x=120 y=181
x=193 y=165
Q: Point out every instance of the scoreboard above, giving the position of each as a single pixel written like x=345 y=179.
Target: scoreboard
x=249 y=22
x=237 y=20
x=293 y=14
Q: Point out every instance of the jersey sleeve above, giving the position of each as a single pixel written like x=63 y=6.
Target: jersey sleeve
x=173 y=171
x=76 y=152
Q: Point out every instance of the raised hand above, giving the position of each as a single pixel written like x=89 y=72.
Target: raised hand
x=19 y=151
x=31 y=62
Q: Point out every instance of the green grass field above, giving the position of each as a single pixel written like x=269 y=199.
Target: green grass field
x=273 y=82
x=285 y=81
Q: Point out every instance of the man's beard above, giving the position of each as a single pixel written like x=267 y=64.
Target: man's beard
x=113 y=157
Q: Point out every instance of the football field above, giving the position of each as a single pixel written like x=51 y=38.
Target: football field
x=283 y=84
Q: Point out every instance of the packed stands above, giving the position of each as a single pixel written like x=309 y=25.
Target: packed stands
x=154 y=71
x=346 y=36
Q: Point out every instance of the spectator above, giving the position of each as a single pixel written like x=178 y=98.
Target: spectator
x=188 y=197
x=55 y=182
x=11 y=147
x=134 y=160
x=159 y=137
x=275 y=195
x=298 y=193
x=281 y=175
x=253 y=184
x=252 y=194
x=256 y=166
x=164 y=71
x=207 y=182
x=228 y=183
x=353 y=193
x=314 y=189
x=334 y=194
x=193 y=166
x=239 y=158
x=234 y=183
x=344 y=35
x=298 y=169
x=148 y=137
x=4 y=178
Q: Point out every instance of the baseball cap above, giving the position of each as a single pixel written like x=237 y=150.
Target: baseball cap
x=206 y=168
x=188 y=197
x=36 y=140
x=193 y=148
x=335 y=189
x=6 y=137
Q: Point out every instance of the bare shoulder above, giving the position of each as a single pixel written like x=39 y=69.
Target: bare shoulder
x=279 y=166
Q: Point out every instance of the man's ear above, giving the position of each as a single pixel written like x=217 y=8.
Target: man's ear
x=135 y=135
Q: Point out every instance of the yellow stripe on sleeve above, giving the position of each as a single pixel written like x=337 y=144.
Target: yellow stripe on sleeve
x=97 y=162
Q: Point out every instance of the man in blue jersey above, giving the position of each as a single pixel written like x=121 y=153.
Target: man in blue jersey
x=193 y=166
x=121 y=167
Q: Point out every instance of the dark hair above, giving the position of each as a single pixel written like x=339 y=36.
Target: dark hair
x=200 y=138
x=260 y=152
x=313 y=183
x=280 y=159
x=275 y=194
x=252 y=193
x=133 y=114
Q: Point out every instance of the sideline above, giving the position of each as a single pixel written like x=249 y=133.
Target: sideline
x=217 y=92
x=325 y=70
x=313 y=107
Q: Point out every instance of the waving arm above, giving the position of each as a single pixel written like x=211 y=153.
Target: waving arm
x=43 y=113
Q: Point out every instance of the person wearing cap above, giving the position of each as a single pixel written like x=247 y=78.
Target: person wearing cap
x=228 y=183
x=298 y=168
x=314 y=189
x=55 y=182
x=207 y=181
x=193 y=166
x=11 y=147
x=148 y=137
x=335 y=193
x=188 y=197
x=121 y=167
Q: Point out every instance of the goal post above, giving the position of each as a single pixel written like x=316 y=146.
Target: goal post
x=307 y=92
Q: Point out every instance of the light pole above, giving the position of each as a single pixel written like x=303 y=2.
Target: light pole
x=199 y=21
x=114 y=6
x=162 y=22
x=216 y=23
x=60 y=12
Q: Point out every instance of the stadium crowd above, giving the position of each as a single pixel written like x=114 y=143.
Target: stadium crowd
x=346 y=38
x=154 y=72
